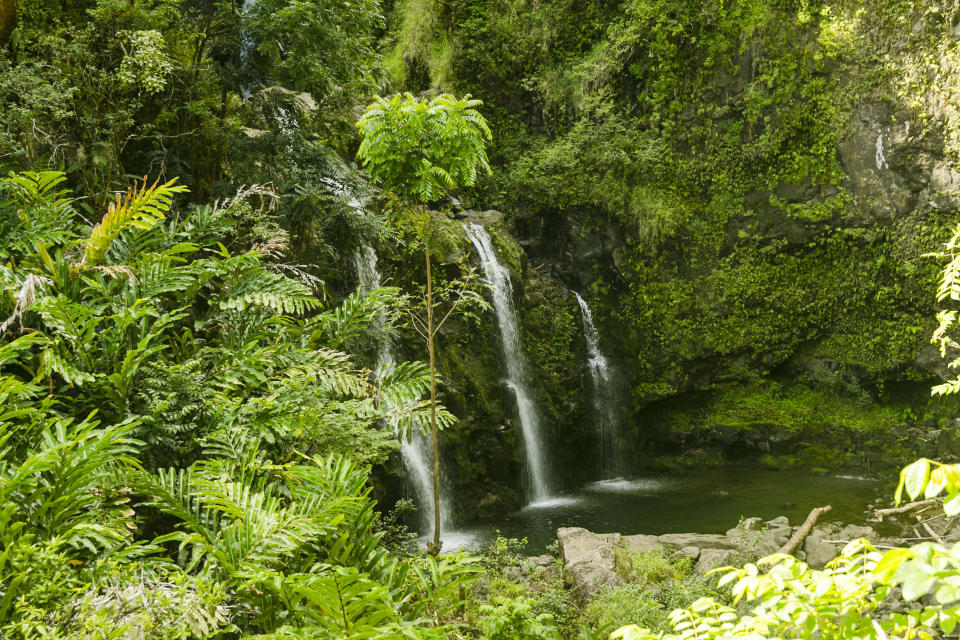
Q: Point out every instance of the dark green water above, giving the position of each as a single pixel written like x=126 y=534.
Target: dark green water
x=702 y=501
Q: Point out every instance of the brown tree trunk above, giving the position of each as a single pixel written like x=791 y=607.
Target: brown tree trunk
x=8 y=19
x=433 y=548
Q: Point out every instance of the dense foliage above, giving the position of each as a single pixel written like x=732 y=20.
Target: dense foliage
x=183 y=446
x=194 y=417
x=709 y=172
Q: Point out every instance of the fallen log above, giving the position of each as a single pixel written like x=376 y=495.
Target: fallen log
x=905 y=508
x=791 y=545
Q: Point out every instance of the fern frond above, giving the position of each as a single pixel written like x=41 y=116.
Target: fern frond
x=358 y=311
x=273 y=291
x=141 y=208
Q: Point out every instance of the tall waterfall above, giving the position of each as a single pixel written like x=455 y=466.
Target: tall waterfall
x=604 y=400
x=498 y=277
x=417 y=453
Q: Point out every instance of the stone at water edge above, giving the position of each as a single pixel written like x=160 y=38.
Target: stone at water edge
x=589 y=562
x=818 y=552
x=690 y=552
x=755 y=537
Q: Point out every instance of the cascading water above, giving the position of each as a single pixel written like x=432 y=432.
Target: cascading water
x=604 y=401
x=417 y=452
x=498 y=277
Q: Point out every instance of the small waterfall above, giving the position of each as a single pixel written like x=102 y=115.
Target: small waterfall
x=417 y=453
x=604 y=400
x=498 y=277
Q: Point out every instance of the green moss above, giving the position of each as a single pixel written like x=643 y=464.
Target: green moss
x=508 y=251
x=552 y=341
x=709 y=137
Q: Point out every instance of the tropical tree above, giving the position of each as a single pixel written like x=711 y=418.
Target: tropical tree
x=419 y=150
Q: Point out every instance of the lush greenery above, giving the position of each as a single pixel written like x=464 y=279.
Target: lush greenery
x=418 y=150
x=183 y=444
x=198 y=433
x=783 y=597
x=708 y=172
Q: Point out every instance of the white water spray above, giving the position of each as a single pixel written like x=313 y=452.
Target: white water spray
x=880 y=158
x=604 y=401
x=498 y=277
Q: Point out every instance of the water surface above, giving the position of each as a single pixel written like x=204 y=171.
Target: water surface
x=701 y=501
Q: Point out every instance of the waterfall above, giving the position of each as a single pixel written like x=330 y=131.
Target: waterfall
x=498 y=277
x=604 y=405
x=417 y=453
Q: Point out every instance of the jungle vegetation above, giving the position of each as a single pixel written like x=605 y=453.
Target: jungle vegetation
x=192 y=422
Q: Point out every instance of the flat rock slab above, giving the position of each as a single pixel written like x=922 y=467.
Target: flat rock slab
x=589 y=562
x=643 y=544
x=699 y=540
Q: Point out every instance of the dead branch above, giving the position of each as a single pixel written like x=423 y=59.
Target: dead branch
x=880 y=513
x=932 y=533
x=804 y=530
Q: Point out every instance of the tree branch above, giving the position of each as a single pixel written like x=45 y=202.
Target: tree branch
x=791 y=546
x=445 y=317
x=880 y=513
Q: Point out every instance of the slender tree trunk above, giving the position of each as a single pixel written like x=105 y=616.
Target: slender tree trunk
x=433 y=548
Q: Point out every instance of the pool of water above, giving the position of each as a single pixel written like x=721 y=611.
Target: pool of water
x=701 y=501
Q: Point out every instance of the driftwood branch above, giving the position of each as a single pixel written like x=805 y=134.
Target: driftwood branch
x=905 y=508
x=804 y=530
x=933 y=533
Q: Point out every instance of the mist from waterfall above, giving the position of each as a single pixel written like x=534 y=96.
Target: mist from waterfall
x=604 y=398
x=417 y=452
x=498 y=277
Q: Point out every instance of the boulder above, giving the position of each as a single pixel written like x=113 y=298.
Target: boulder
x=854 y=532
x=589 y=561
x=549 y=574
x=691 y=552
x=712 y=558
x=757 y=538
x=546 y=560
x=819 y=552
x=751 y=524
x=643 y=544
x=755 y=543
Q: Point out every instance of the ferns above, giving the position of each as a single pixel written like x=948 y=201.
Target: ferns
x=272 y=291
x=195 y=360
x=359 y=310
x=141 y=208
x=43 y=217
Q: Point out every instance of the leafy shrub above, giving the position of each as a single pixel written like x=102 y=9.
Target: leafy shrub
x=514 y=619
x=656 y=585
